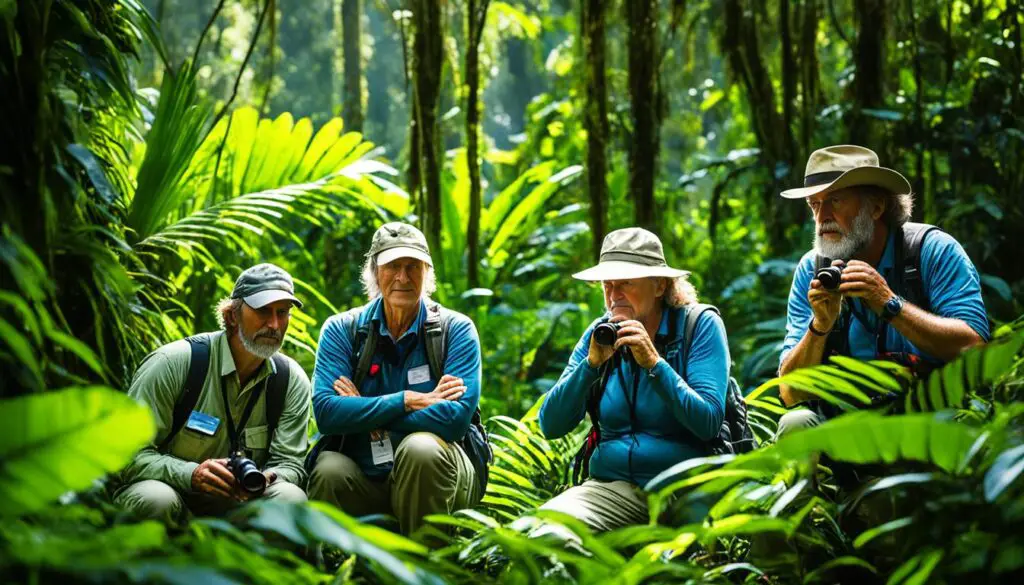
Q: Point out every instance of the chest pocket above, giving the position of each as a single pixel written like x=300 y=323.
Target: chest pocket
x=192 y=445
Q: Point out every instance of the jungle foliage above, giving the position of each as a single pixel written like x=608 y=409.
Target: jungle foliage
x=152 y=150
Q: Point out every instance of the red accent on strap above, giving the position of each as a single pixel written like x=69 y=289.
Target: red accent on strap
x=374 y=368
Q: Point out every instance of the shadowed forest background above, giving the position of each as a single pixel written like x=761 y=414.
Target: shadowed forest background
x=152 y=150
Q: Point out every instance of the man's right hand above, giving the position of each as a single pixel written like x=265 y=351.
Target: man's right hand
x=599 y=354
x=825 y=303
x=213 y=478
x=448 y=388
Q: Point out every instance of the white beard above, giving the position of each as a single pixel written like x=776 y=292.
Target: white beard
x=258 y=348
x=859 y=236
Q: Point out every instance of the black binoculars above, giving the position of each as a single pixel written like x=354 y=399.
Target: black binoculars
x=830 y=276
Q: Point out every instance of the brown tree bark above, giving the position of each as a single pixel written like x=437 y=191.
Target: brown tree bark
x=641 y=16
x=774 y=137
x=351 y=30
x=869 y=80
x=595 y=121
x=428 y=58
x=476 y=16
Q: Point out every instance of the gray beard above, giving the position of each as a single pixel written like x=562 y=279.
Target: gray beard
x=256 y=348
x=859 y=236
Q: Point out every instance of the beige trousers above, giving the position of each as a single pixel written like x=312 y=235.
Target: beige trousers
x=155 y=499
x=601 y=505
x=430 y=476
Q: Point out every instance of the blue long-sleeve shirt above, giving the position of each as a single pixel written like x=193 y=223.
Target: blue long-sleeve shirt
x=951 y=284
x=674 y=418
x=381 y=404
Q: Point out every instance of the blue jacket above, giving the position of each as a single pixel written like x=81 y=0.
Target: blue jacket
x=950 y=281
x=381 y=404
x=674 y=417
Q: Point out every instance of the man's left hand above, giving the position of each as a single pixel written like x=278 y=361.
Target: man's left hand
x=634 y=335
x=344 y=387
x=862 y=281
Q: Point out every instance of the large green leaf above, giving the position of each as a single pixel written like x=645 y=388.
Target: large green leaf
x=60 y=441
x=872 y=437
x=977 y=368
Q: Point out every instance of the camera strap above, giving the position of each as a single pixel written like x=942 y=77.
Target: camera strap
x=233 y=431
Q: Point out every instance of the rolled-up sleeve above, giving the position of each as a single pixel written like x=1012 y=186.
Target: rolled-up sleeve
x=290 y=440
x=698 y=402
x=952 y=283
x=450 y=419
x=338 y=415
x=566 y=403
x=798 y=310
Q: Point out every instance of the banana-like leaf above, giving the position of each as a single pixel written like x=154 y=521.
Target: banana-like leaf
x=55 y=442
x=872 y=437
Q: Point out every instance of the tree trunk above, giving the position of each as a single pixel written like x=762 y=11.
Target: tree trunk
x=641 y=15
x=476 y=16
x=869 y=80
x=774 y=137
x=428 y=58
x=352 y=109
x=596 y=119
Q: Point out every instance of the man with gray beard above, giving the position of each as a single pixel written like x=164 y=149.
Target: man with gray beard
x=218 y=394
x=907 y=292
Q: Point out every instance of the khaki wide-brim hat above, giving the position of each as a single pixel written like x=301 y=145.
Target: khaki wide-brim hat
x=836 y=167
x=630 y=253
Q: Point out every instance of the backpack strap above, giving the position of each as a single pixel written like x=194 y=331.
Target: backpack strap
x=198 y=364
x=908 y=263
x=364 y=340
x=693 y=314
x=277 y=390
x=436 y=331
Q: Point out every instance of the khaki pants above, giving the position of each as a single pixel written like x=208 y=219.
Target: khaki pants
x=796 y=420
x=601 y=505
x=430 y=476
x=155 y=499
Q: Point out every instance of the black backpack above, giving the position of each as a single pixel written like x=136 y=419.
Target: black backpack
x=735 y=436
x=198 y=366
x=475 y=443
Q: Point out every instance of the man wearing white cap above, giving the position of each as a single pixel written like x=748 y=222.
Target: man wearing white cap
x=395 y=392
x=217 y=394
x=899 y=291
x=654 y=398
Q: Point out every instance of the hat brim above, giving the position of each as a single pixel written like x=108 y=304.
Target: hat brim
x=390 y=255
x=264 y=298
x=617 y=270
x=877 y=176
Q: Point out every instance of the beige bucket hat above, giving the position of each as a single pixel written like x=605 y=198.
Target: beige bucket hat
x=835 y=167
x=630 y=253
x=397 y=240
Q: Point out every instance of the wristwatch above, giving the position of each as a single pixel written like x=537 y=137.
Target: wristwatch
x=891 y=308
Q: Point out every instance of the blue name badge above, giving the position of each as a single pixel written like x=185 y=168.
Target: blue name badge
x=202 y=423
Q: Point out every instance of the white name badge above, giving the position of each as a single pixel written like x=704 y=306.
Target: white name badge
x=419 y=375
x=381 y=450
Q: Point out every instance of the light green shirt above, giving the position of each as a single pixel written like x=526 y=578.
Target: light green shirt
x=158 y=383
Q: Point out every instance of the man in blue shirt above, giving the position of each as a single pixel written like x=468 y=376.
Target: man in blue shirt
x=650 y=416
x=401 y=426
x=861 y=214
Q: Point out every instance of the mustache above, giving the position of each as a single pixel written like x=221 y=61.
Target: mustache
x=269 y=334
x=830 y=226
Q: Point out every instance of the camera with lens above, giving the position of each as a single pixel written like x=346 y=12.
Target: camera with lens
x=246 y=473
x=606 y=333
x=829 y=276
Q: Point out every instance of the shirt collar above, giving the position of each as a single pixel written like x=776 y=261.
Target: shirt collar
x=663 y=326
x=888 y=260
x=378 y=317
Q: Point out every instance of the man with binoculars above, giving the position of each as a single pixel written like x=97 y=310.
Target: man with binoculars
x=231 y=412
x=655 y=398
x=875 y=286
